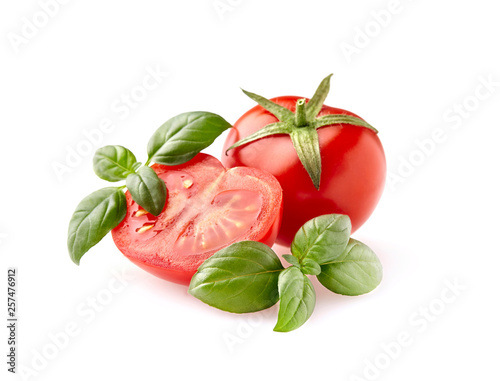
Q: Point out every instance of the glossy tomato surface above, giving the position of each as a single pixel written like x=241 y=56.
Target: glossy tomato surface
x=353 y=168
x=208 y=207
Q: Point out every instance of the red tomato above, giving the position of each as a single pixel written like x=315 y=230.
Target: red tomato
x=352 y=174
x=208 y=208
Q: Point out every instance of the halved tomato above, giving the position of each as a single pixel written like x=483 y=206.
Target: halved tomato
x=208 y=208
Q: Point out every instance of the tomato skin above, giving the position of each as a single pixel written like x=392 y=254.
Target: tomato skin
x=172 y=275
x=159 y=255
x=353 y=168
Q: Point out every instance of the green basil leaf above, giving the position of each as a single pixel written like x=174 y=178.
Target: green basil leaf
x=357 y=271
x=291 y=259
x=310 y=266
x=323 y=238
x=242 y=277
x=297 y=299
x=181 y=138
x=95 y=216
x=114 y=163
x=148 y=190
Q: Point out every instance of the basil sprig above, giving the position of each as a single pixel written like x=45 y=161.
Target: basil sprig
x=248 y=276
x=176 y=142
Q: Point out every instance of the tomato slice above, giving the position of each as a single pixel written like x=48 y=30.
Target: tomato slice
x=208 y=208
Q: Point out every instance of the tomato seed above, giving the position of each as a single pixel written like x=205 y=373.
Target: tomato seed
x=145 y=228
x=140 y=212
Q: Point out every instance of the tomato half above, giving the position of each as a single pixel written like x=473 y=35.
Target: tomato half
x=208 y=208
x=353 y=167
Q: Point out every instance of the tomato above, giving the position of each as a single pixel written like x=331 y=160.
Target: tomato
x=208 y=208
x=353 y=167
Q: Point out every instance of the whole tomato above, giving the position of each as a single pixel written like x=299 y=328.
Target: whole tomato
x=326 y=159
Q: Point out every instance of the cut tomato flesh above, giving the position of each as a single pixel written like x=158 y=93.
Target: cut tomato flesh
x=226 y=219
x=208 y=208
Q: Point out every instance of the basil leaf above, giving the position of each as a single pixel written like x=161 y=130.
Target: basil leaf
x=242 y=277
x=114 y=163
x=310 y=266
x=291 y=259
x=357 y=271
x=95 y=216
x=322 y=239
x=297 y=299
x=148 y=190
x=181 y=138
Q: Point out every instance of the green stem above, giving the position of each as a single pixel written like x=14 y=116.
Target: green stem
x=300 y=113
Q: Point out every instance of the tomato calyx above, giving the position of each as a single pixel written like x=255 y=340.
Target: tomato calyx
x=302 y=126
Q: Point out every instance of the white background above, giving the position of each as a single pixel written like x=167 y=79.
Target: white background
x=436 y=226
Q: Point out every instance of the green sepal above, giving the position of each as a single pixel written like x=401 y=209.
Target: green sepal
x=271 y=129
x=306 y=143
x=315 y=104
x=280 y=112
x=328 y=120
x=305 y=118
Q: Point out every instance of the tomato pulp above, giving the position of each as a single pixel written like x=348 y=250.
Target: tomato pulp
x=208 y=207
x=353 y=167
